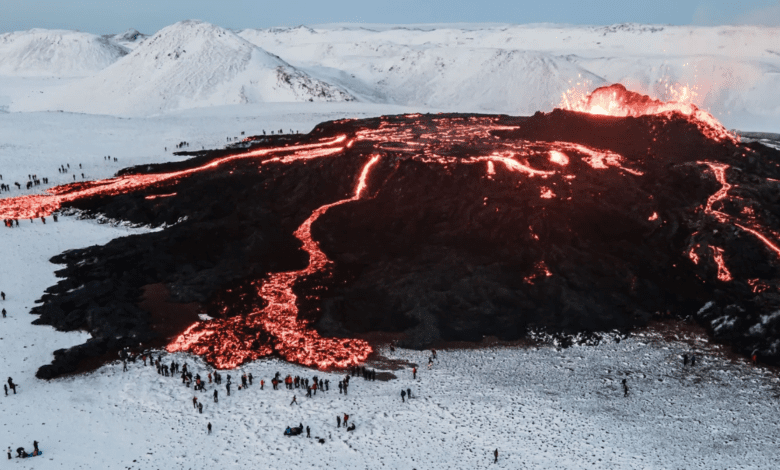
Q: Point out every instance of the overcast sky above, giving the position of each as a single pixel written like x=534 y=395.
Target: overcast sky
x=148 y=16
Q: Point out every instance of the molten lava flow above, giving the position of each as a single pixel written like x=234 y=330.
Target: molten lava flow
x=29 y=207
x=277 y=326
x=615 y=100
x=723 y=272
x=719 y=169
x=559 y=157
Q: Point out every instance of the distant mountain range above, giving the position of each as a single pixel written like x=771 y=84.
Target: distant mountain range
x=733 y=72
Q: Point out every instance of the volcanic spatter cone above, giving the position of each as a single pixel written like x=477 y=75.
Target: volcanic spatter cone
x=433 y=227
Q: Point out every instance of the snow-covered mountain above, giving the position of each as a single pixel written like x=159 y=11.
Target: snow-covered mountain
x=520 y=69
x=56 y=53
x=731 y=71
x=188 y=65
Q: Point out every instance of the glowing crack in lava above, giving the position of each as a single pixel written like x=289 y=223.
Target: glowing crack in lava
x=616 y=100
x=277 y=327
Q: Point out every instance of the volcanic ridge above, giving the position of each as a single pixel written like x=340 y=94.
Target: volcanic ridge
x=431 y=227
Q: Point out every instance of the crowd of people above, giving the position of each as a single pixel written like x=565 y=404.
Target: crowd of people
x=214 y=380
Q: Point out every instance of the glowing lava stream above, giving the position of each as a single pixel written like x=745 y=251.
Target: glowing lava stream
x=28 y=207
x=290 y=337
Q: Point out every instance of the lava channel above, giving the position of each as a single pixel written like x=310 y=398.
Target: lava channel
x=227 y=343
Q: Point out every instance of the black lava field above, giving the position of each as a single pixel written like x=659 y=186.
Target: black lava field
x=446 y=227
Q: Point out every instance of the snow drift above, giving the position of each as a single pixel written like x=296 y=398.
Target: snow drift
x=188 y=65
x=56 y=53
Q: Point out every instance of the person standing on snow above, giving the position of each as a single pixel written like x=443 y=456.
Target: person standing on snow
x=414 y=372
x=216 y=396
x=625 y=388
x=495 y=456
x=209 y=428
x=308 y=431
x=403 y=396
x=294 y=401
x=338 y=423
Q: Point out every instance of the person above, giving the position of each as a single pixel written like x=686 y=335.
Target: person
x=5 y=387
x=2 y=294
x=216 y=396
x=250 y=378
x=4 y=313
x=346 y=418
x=195 y=402
x=209 y=428
x=495 y=456
x=430 y=362
x=35 y=445
x=308 y=432
x=338 y=422
x=685 y=359
x=341 y=386
x=9 y=452
x=409 y=393
x=403 y=396
x=625 y=388
x=414 y=372
x=21 y=453
x=351 y=427
x=433 y=353
x=200 y=408
x=294 y=401
x=693 y=360
x=227 y=386
x=262 y=384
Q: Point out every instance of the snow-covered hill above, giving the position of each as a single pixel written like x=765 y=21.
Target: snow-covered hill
x=56 y=53
x=188 y=65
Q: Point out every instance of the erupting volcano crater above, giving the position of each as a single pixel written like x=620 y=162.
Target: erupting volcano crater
x=433 y=227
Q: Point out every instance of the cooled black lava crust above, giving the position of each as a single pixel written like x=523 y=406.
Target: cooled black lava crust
x=447 y=251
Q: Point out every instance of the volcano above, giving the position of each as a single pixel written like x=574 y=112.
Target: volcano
x=434 y=228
